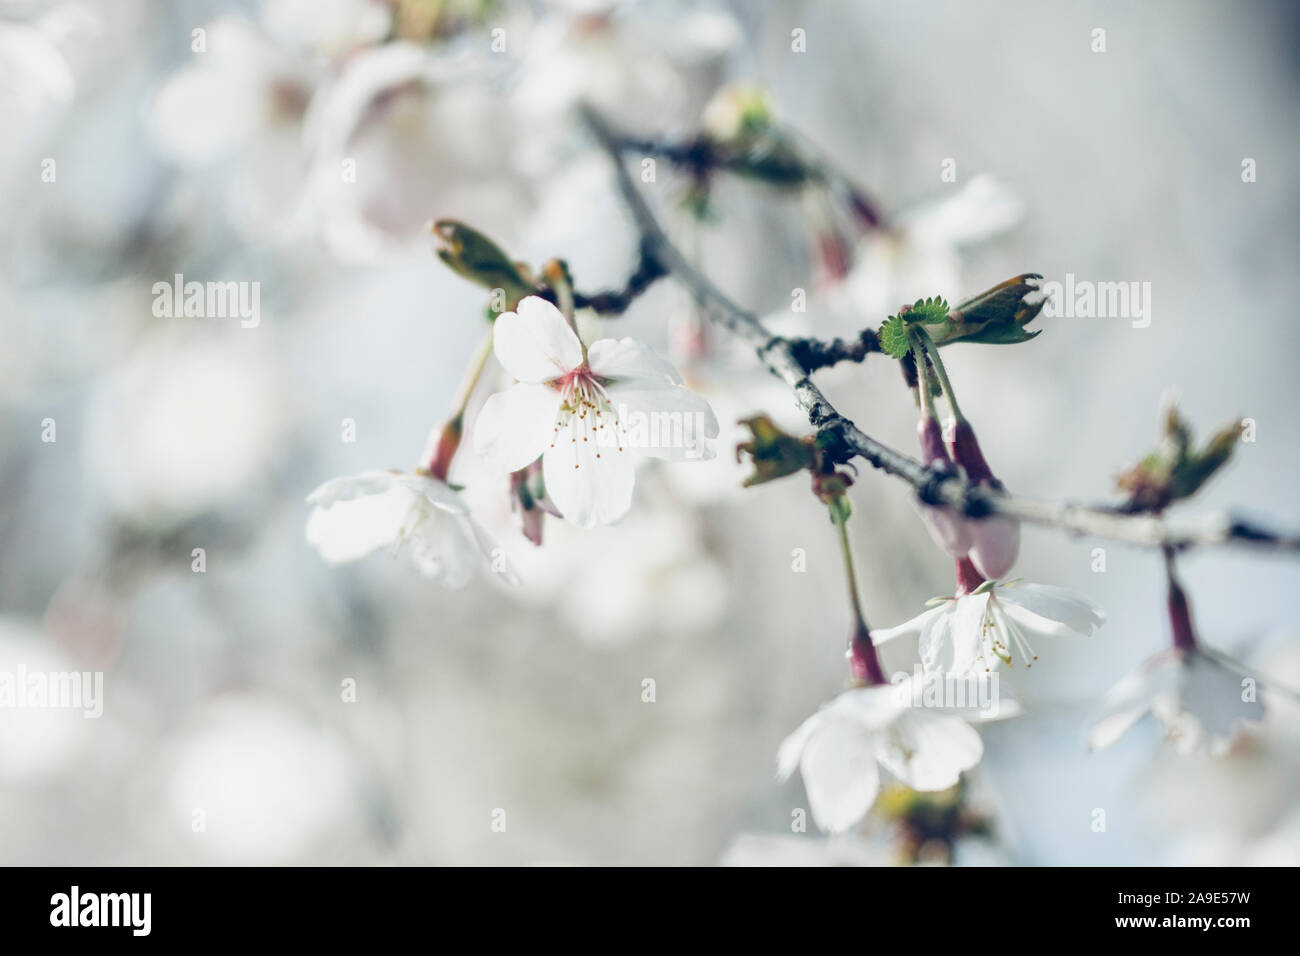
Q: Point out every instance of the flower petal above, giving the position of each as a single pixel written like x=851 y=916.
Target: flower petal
x=515 y=426
x=953 y=643
x=1125 y=703
x=791 y=749
x=839 y=775
x=912 y=628
x=929 y=751
x=1052 y=605
x=1212 y=693
x=619 y=359
x=534 y=343
x=871 y=708
x=589 y=481
x=440 y=550
x=351 y=528
x=662 y=420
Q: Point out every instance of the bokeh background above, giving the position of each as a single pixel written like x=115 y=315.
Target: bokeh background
x=223 y=688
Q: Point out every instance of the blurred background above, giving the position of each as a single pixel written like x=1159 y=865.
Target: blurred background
x=145 y=139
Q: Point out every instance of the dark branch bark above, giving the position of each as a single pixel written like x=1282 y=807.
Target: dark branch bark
x=844 y=441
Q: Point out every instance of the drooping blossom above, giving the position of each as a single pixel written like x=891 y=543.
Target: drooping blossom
x=1202 y=698
x=988 y=623
x=359 y=514
x=841 y=750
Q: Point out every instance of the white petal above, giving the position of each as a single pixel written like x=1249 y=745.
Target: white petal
x=839 y=775
x=589 y=481
x=619 y=359
x=517 y=425
x=912 y=628
x=664 y=421
x=1212 y=693
x=929 y=751
x=354 y=527
x=1052 y=605
x=436 y=493
x=1125 y=703
x=535 y=344
x=440 y=550
x=953 y=643
x=871 y=708
x=791 y=749
x=487 y=546
x=352 y=486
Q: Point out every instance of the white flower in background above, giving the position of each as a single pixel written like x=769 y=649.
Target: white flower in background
x=920 y=253
x=240 y=105
x=1202 y=698
x=332 y=28
x=652 y=64
x=994 y=624
x=230 y=758
x=588 y=412
x=402 y=128
x=35 y=76
x=185 y=426
x=841 y=748
x=357 y=515
x=37 y=743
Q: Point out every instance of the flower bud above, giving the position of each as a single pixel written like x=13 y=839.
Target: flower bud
x=773 y=452
x=995 y=541
x=950 y=531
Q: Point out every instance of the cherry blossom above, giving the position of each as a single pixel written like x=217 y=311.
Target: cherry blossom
x=1201 y=697
x=588 y=412
x=357 y=515
x=840 y=750
x=995 y=623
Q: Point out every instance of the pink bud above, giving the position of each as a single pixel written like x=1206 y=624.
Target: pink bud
x=952 y=532
x=949 y=531
x=966 y=452
x=995 y=545
x=994 y=542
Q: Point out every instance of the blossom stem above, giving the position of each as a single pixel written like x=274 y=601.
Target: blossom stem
x=472 y=375
x=444 y=450
x=863 y=659
x=940 y=371
x=923 y=379
x=1180 y=611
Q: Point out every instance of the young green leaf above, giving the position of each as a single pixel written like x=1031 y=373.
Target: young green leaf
x=894 y=340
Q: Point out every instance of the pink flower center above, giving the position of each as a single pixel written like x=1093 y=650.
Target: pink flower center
x=586 y=413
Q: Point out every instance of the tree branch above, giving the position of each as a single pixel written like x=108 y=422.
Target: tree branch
x=792 y=361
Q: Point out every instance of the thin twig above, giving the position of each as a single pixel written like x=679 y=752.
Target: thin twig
x=844 y=441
